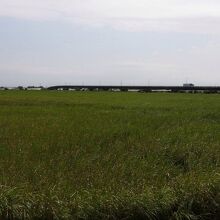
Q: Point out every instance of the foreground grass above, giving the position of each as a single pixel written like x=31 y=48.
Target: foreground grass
x=75 y=155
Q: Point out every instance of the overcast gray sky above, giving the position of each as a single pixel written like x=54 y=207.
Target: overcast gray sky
x=156 y=42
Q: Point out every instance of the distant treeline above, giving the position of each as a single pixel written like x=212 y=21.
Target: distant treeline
x=23 y=88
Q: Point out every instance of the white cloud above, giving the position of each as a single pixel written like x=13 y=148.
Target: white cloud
x=201 y=16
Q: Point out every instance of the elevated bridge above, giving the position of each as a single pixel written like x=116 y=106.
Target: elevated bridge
x=137 y=88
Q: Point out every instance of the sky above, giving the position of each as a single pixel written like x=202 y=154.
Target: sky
x=129 y=42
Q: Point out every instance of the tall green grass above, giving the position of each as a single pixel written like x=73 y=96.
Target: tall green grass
x=103 y=155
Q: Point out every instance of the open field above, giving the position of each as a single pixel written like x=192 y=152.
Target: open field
x=103 y=155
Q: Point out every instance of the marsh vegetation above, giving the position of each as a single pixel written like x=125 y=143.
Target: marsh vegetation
x=103 y=155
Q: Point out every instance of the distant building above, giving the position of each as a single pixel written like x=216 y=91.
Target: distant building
x=188 y=85
x=11 y=88
x=34 y=88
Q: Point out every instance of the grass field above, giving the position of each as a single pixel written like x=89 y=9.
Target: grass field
x=103 y=155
